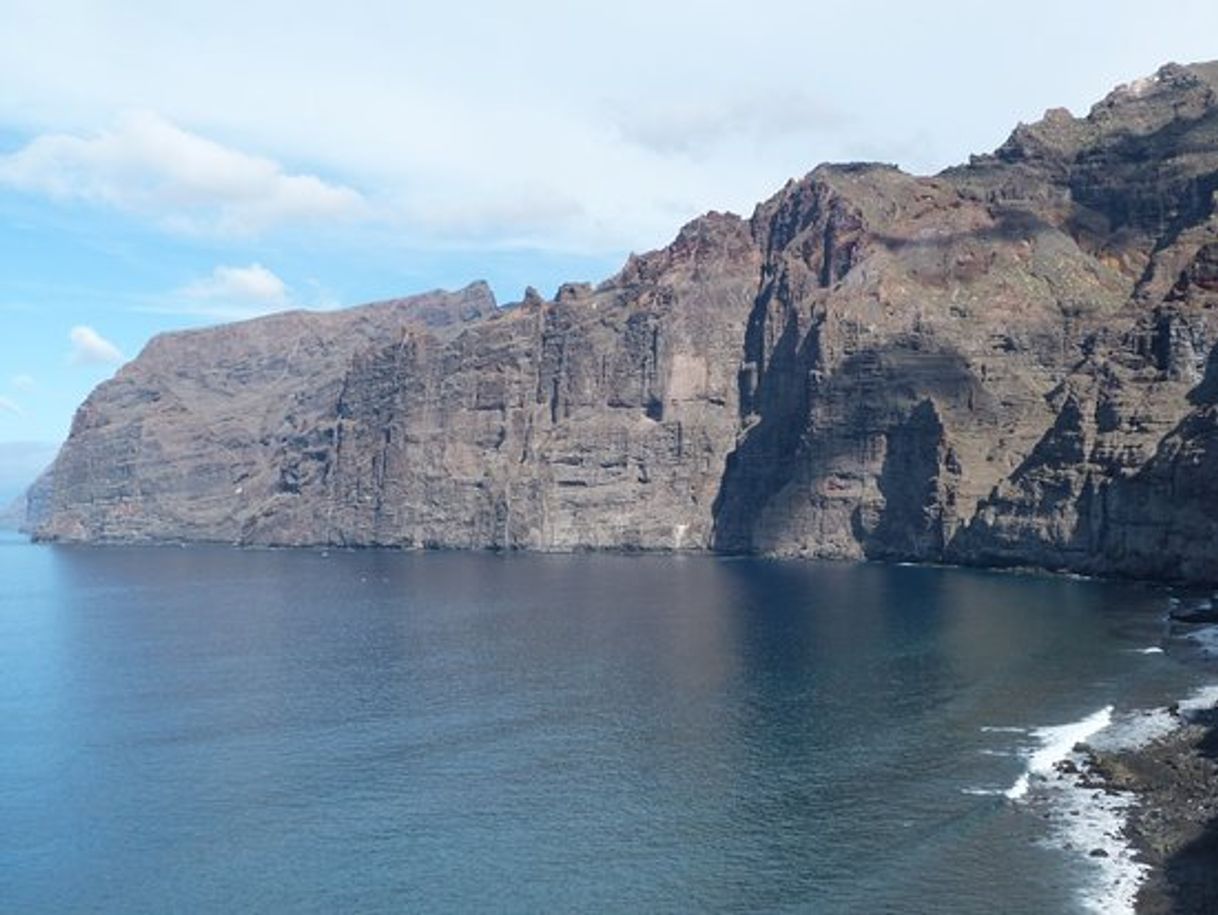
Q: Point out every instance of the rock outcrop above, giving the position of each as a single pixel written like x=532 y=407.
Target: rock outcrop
x=1009 y=363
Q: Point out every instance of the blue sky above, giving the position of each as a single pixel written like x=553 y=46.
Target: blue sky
x=164 y=169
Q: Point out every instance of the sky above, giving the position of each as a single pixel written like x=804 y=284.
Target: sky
x=174 y=165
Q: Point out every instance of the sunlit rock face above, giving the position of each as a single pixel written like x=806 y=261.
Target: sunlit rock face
x=1008 y=363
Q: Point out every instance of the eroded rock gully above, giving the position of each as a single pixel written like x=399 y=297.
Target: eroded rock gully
x=1009 y=363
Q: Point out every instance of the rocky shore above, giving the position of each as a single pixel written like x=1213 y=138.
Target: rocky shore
x=1174 y=824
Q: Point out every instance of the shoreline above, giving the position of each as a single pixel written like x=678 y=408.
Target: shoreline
x=1194 y=590
x=1132 y=795
x=1138 y=800
x=1172 y=822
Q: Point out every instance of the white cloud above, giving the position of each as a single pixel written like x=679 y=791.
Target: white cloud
x=231 y=293
x=91 y=348
x=700 y=125
x=186 y=182
x=10 y=406
x=23 y=382
x=500 y=124
x=253 y=285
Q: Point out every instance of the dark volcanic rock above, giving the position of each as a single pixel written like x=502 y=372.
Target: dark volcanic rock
x=1008 y=363
x=1173 y=825
x=1195 y=617
x=599 y=420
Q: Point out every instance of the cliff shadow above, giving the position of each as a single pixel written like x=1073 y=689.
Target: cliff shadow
x=1011 y=224
x=879 y=418
x=910 y=527
x=774 y=399
x=1187 y=879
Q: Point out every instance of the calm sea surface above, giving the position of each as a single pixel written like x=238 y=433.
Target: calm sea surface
x=212 y=730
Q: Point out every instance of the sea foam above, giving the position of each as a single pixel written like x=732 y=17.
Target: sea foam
x=1086 y=820
x=1201 y=700
x=1056 y=745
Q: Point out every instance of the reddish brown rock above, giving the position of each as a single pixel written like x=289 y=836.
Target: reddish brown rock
x=1008 y=363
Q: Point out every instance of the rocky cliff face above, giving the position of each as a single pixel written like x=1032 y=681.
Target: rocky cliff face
x=1008 y=363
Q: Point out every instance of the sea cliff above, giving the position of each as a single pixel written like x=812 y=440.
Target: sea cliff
x=1010 y=363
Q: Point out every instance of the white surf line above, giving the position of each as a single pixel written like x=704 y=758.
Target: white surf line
x=1100 y=824
x=1084 y=821
x=1056 y=745
x=1087 y=820
x=1091 y=823
x=1202 y=699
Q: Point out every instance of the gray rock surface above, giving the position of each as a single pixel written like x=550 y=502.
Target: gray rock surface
x=1008 y=363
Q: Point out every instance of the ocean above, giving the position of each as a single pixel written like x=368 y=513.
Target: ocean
x=208 y=729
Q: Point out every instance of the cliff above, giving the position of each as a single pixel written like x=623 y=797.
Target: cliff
x=1009 y=363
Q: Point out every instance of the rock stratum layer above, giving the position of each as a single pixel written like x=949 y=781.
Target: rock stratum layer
x=1009 y=363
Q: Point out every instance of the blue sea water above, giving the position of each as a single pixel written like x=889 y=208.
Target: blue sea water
x=216 y=730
